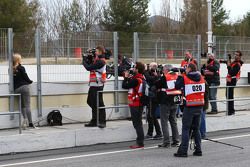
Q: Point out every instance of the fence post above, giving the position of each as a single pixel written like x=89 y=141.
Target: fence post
x=11 y=81
x=39 y=72
x=198 y=51
x=136 y=47
x=116 y=97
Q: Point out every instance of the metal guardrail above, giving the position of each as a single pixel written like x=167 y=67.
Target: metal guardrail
x=227 y=100
x=115 y=106
x=13 y=113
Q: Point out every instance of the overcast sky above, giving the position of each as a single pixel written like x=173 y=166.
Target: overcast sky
x=237 y=8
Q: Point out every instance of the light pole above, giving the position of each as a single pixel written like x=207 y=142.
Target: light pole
x=209 y=24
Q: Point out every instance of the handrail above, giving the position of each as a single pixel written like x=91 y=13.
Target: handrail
x=13 y=113
x=97 y=101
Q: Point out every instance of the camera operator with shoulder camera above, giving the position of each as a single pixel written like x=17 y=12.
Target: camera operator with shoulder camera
x=233 y=76
x=167 y=94
x=97 y=79
x=152 y=77
x=211 y=71
x=134 y=85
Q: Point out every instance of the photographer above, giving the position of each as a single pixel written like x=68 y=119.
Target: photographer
x=188 y=59
x=97 y=79
x=166 y=96
x=193 y=85
x=211 y=71
x=133 y=84
x=152 y=76
x=233 y=76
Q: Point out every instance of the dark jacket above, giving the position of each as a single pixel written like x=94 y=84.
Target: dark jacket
x=94 y=66
x=212 y=67
x=233 y=71
x=163 y=98
x=20 y=77
x=179 y=84
x=152 y=80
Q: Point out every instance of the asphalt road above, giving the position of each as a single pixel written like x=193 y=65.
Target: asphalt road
x=119 y=155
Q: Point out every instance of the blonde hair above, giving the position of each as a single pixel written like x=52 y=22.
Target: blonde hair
x=16 y=60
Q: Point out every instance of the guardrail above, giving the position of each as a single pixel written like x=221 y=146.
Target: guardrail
x=227 y=95
x=13 y=113
x=105 y=107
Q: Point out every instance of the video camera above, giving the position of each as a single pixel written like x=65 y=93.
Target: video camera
x=228 y=60
x=89 y=55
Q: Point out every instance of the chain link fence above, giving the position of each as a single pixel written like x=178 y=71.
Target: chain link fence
x=225 y=45
x=4 y=77
x=166 y=47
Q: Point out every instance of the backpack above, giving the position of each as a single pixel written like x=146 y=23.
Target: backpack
x=146 y=93
x=54 y=118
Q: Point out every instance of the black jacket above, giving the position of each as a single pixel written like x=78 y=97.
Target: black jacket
x=163 y=98
x=152 y=80
x=94 y=66
x=233 y=71
x=20 y=77
x=214 y=67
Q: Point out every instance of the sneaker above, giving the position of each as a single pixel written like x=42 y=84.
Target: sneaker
x=197 y=153
x=136 y=146
x=157 y=137
x=212 y=112
x=31 y=125
x=148 y=136
x=175 y=144
x=180 y=155
x=164 y=145
x=24 y=124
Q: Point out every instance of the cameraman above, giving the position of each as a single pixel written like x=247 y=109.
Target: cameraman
x=97 y=79
x=233 y=76
x=133 y=84
x=152 y=77
x=211 y=71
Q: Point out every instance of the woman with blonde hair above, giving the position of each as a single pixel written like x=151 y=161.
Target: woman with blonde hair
x=21 y=86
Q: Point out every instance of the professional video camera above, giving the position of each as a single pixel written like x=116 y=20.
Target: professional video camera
x=89 y=55
x=228 y=60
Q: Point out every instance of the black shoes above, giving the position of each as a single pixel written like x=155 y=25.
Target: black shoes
x=164 y=145
x=157 y=137
x=212 y=113
x=180 y=155
x=90 y=125
x=197 y=153
x=102 y=125
x=175 y=144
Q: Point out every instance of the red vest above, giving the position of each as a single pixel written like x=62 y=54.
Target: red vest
x=98 y=77
x=135 y=93
x=194 y=91
x=170 y=81
x=185 y=63
x=237 y=76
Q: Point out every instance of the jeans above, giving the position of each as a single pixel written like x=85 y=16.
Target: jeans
x=152 y=120
x=212 y=96
x=168 y=114
x=203 y=124
x=190 y=121
x=136 y=116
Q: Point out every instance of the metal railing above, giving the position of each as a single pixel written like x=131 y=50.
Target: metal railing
x=116 y=105
x=227 y=95
x=13 y=113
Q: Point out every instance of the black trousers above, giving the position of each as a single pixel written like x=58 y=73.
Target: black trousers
x=92 y=102
x=136 y=116
x=230 y=95
x=151 y=118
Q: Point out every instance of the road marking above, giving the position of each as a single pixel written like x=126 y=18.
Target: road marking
x=103 y=153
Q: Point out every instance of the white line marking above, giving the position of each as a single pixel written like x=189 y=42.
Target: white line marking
x=104 y=153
